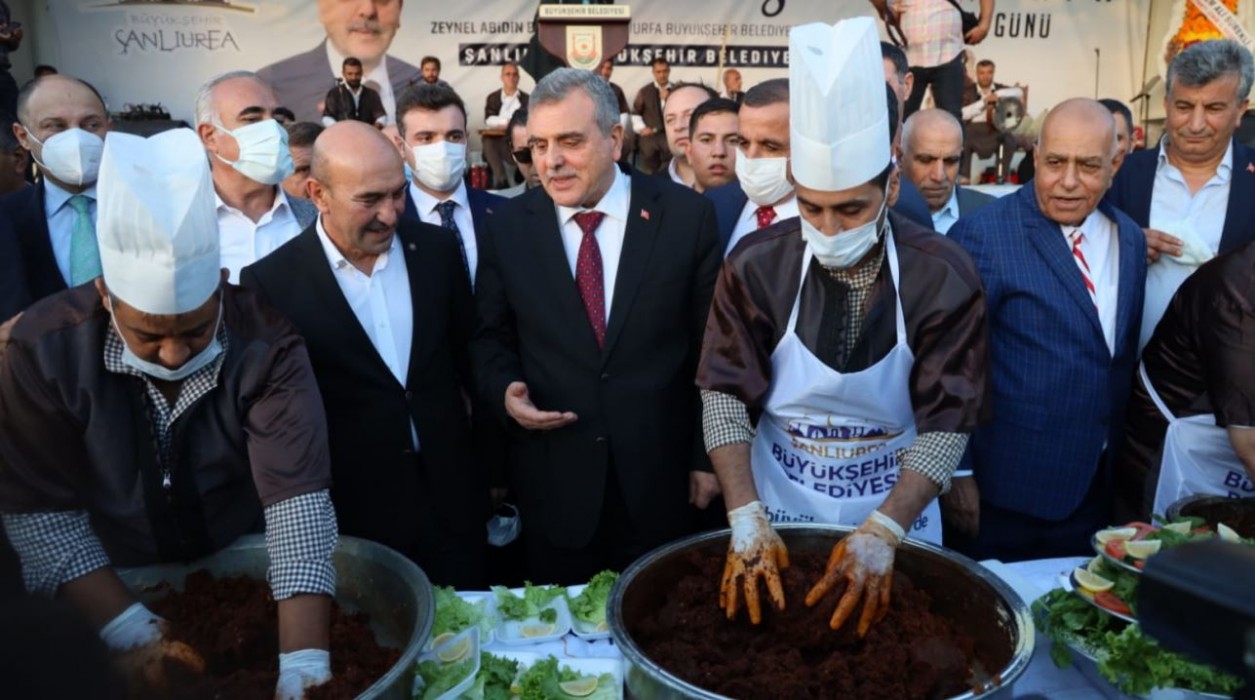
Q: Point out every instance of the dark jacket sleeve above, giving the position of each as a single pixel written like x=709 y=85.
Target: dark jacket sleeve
x=331 y=104
x=14 y=294
x=710 y=257
x=494 y=345
x=372 y=105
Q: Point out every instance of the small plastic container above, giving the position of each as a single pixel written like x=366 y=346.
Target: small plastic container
x=469 y=637
x=488 y=603
x=581 y=629
x=521 y=632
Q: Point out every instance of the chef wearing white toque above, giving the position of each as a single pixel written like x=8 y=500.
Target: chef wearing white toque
x=842 y=366
x=160 y=415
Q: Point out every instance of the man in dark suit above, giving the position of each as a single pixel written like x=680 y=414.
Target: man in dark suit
x=498 y=108
x=592 y=299
x=431 y=120
x=651 y=142
x=732 y=85
x=62 y=123
x=386 y=313
x=364 y=30
x=980 y=137
x=1064 y=274
x=932 y=143
x=1198 y=187
x=352 y=100
x=605 y=70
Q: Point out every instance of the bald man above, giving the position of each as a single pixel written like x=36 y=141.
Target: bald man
x=932 y=146
x=1064 y=272
x=385 y=307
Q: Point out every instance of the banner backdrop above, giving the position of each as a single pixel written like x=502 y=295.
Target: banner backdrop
x=150 y=51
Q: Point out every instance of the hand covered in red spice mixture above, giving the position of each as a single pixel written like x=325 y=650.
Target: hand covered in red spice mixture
x=755 y=551
x=864 y=559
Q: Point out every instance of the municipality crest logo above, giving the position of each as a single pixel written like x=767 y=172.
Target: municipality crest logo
x=583 y=47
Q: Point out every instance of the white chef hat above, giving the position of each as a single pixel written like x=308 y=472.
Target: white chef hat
x=838 y=109
x=156 y=221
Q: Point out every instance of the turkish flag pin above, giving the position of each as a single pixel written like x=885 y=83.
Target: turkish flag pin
x=645 y=214
x=1250 y=168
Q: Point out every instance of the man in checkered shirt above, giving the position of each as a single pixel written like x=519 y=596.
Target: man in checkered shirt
x=160 y=413
x=934 y=47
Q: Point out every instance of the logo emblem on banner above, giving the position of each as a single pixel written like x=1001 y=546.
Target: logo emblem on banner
x=583 y=46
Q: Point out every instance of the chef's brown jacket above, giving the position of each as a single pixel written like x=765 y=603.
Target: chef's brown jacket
x=75 y=436
x=942 y=300
x=1201 y=359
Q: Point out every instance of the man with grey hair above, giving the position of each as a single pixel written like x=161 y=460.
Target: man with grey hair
x=932 y=147
x=592 y=292
x=1195 y=194
x=249 y=158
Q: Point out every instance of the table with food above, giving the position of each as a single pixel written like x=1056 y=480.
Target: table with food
x=952 y=627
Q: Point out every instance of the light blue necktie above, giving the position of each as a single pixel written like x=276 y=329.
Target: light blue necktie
x=84 y=250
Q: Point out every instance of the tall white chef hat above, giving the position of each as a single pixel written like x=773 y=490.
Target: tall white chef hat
x=838 y=113
x=157 y=222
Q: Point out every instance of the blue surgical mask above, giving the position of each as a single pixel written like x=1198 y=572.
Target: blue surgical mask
x=194 y=364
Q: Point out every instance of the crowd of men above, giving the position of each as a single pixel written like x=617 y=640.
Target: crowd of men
x=782 y=306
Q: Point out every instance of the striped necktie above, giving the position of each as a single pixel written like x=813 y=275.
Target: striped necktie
x=1076 y=236
x=447 y=221
x=84 y=250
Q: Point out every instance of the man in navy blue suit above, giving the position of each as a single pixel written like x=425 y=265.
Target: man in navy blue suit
x=431 y=120
x=1064 y=273
x=1195 y=194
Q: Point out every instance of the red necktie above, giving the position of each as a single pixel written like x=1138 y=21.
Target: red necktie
x=765 y=215
x=589 y=275
x=1076 y=236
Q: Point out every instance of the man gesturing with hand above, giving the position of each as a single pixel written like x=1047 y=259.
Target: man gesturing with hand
x=592 y=292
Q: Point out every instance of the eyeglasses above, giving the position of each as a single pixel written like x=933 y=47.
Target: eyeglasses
x=523 y=156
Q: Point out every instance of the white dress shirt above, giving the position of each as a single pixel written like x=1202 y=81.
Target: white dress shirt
x=381 y=302
x=426 y=205
x=1171 y=201
x=61 y=217
x=1101 y=248
x=748 y=222
x=948 y=215
x=509 y=105
x=674 y=172
x=379 y=76
x=614 y=204
x=243 y=242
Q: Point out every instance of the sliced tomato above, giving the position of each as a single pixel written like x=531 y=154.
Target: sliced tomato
x=1139 y=564
x=1202 y=531
x=1143 y=529
x=1115 y=549
x=1108 y=600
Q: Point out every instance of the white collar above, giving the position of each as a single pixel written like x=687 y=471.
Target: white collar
x=380 y=73
x=951 y=207
x=55 y=197
x=426 y=204
x=337 y=259
x=614 y=203
x=1088 y=227
x=1223 y=170
x=281 y=200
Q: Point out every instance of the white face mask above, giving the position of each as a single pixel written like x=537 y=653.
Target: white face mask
x=765 y=180
x=264 y=155
x=194 y=363
x=440 y=165
x=71 y=156
x=502 y=528
x=846 y=248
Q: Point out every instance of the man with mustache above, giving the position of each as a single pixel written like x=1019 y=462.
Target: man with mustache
x=932 y=146
x=350 y=99
x=363 y=30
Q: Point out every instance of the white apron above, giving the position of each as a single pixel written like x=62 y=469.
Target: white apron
x=1198 y=458
x=827 y=442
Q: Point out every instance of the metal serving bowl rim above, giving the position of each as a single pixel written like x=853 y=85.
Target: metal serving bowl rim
x=1021 y=617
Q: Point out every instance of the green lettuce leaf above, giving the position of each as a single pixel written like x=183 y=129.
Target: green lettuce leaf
x=541 y=682
x=513 y=607
x=454 y=614
x=590 y=605
x=440 y=678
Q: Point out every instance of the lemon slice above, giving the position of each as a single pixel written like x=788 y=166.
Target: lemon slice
x=455 y=652
x=1179 y=528
x=537 y=630
x=442 y=638
x=1227 y=533
x=580 y=687
x=1115 y=533
x=603 y=626
x=1142 y=548
x=1090 y=581
x=1094 y=565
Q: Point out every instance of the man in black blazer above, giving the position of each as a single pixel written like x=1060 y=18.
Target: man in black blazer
x=651 y=143
x=498 y=108
x=593 y=293
x=1198 y=186
x=386 y=312
x=932 y=146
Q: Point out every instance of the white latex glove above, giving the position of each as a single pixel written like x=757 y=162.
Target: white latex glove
x=300 y=670
x=755 y=551
x=146 y=656
x=864 y=560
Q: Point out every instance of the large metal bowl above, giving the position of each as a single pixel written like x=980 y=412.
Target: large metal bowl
x=961 y=589
x=370 y=578
x=1213 y=509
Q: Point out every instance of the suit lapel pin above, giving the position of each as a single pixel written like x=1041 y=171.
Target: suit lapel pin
x=645 y=215
x=412 y=247
x=1250 y=168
